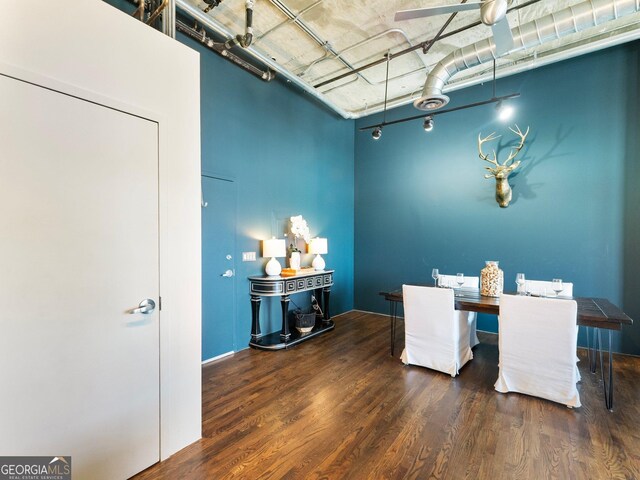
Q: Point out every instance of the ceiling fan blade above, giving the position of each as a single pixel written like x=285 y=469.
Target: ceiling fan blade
x=430 y=11
x=502 y=37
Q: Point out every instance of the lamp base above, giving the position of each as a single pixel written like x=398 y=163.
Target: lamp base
x=273 y=267
x=318 y=263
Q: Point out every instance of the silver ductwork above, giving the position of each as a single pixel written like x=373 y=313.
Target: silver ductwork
x=217 y=27
x=544 y=29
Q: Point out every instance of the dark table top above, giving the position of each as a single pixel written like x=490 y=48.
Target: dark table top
x=592 y=312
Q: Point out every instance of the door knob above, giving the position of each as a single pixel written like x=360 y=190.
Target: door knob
x=228 y=273
x=146 y=307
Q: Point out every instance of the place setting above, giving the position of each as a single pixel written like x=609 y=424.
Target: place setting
x=543 y=289
x=449 y=281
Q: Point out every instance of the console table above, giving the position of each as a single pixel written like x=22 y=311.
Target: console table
x=277 y=286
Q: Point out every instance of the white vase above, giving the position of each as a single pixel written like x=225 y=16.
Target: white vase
x=294 y=260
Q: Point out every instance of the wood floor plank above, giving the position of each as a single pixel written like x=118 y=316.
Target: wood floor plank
x=340 y=407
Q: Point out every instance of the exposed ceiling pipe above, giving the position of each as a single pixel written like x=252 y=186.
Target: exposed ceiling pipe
x=169 y=19
x=218 y=28
x=295 y=18
x=290 y=20
x=166 y=8
x=244 y=40
x=544 y=29
x=425 y=46
x=212 y=4
x=364 y=42
x=221 y=49
x=156 y=13
x=139 y=12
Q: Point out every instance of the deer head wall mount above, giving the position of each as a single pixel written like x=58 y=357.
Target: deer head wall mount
x=501 y=171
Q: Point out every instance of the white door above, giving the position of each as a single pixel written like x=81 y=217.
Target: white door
x=78 y=249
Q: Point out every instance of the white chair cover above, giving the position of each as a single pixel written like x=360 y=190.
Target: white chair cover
x=435 y=337
x=538 y=287
x=538 y=342
x=472 y=317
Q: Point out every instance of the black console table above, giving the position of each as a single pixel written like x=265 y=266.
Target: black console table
x=277 y=286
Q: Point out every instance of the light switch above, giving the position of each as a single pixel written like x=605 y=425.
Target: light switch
x=248 y=256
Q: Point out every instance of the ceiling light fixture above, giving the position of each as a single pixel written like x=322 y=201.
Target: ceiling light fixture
x=440 y=112
x=505 y=111
x=428 y=123
x=377 y=133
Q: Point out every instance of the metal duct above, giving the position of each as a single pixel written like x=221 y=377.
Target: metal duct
x=550 y=27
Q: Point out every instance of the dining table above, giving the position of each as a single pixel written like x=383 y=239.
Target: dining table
x=596 y=314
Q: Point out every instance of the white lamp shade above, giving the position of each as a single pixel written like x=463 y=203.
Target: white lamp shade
x=318 y=246
x=274 y=247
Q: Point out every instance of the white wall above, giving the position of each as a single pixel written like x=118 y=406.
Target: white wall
x=92 y=46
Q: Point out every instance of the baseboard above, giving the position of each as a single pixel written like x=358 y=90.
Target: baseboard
x=341 y=314
x=213 y=359
x=488 y=333
x=372 y=313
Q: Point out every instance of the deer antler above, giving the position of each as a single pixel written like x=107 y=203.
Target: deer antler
x=501 y=171
x=514 y=153
x=484 y=157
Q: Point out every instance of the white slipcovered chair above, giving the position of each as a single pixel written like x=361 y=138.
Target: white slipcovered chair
x=538 y=287
x=472 y=317
x=436 y=336
x=537 y=343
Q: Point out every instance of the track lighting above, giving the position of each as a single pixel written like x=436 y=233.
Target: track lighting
x=505 y=111
x=428 y=123
x=377 y=133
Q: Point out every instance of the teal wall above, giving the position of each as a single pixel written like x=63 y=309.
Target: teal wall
x=288 y=156
x=422 y=201
x=631 y=212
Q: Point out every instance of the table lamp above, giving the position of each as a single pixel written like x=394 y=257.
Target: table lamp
x=275 y=247
x=318 y=246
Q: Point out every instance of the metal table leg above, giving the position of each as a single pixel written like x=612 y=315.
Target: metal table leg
x=607 y=386
x=592 y=352
x=393 y=307
x=586 y=329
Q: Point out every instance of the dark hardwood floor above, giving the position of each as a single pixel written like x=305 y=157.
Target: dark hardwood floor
x=340 y=407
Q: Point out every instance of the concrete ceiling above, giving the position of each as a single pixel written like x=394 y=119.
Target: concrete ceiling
x=327 y=38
